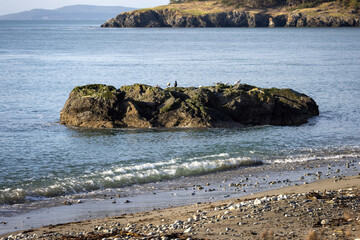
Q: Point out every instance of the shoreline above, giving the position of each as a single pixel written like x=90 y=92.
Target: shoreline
x=195 y=191
x=275 y=213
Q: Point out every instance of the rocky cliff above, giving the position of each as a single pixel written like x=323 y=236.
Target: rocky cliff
x=173 y=18
x=143 y=106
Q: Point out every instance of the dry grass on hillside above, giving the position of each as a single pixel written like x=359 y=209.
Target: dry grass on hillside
x=209 y=7
x=195 y=8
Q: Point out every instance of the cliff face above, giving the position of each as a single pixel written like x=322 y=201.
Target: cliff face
x=142 y=106
x=172 y=18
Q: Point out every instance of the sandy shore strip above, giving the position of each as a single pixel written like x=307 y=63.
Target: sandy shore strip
x=325 y=209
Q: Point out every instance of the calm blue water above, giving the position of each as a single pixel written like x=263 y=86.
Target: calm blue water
x=41 y=62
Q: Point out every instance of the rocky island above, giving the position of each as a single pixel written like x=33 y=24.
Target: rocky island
x=143 y=106
x=241 y=13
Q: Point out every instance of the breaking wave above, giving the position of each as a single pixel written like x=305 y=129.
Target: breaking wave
x=122 y=176
x=130 y=174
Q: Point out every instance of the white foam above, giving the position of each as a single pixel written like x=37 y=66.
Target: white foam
x=144 y=166
x=107 y=172
x=313 y=157
x=210 y=156
x=182 y=169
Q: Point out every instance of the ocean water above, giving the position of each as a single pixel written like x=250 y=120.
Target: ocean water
x=42 y=61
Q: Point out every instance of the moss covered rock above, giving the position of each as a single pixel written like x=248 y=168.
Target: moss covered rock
x=143 y=106
x=96 y=90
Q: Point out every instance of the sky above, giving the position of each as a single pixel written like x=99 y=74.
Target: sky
x=14 y=6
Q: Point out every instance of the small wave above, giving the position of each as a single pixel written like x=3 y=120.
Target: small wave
x=127 y=176
x=140 y=167
x=147 y=166
x=307 y=158
x=183 y=169
x=211 y=156
x=145 y=173
x=15 y=196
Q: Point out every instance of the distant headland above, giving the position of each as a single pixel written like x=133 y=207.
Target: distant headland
x=221 y=105
x=74 y=12
x=241 y=13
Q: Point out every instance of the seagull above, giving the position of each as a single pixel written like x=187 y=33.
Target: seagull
x=237 y=82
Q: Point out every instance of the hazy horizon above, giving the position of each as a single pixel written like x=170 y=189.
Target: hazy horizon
x=16 y=6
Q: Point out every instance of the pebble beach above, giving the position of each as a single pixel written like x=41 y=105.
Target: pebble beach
x=320 y=204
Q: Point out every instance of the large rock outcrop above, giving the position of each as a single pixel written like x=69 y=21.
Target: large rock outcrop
x=173 y=18
x=143 y=106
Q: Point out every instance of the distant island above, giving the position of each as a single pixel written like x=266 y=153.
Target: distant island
x=222 y=105
x=244 y=13
x=74 y=12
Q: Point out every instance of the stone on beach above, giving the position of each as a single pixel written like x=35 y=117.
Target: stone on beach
x=282 y=207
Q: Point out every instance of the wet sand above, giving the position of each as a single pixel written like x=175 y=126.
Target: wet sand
x=295 y=206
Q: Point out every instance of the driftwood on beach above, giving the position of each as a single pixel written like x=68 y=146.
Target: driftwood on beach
x=143 y=106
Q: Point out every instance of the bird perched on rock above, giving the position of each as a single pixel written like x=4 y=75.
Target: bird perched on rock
x=175 y=84
x=168 y=84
